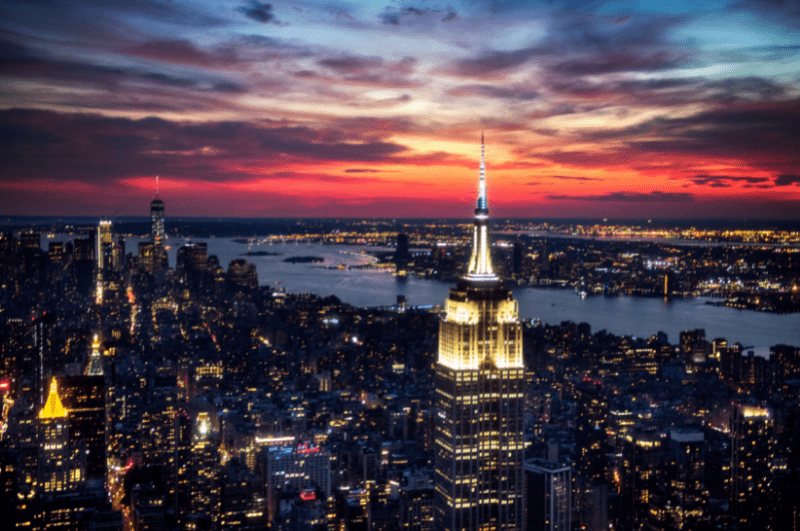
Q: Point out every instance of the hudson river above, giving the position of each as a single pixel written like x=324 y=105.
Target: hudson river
x=639 y=316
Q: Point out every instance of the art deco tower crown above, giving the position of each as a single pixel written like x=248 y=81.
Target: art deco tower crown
x=479 y=443
x=480 y=265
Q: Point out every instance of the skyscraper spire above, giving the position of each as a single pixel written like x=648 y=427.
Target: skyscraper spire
x=480 y=265
x=95 y=366
x=480 y=381
x=156 y=185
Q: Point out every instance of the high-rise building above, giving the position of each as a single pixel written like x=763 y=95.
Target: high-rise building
x=157 y=219
x=752 y=455
x=685 y=475
x=205 y=468
x=402 y=256
x=84 y=397
x=158 y=234
x=479 y=397
x=105 y=244
x=548 y=496
x=95 y=365
x=642 y=460
x=54 y=455
x=104 y=255
x=294 y=467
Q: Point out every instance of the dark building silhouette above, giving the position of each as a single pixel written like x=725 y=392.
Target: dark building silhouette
x=548 y=496
x=85 y=399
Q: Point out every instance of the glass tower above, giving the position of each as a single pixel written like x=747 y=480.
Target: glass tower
x=479 y=397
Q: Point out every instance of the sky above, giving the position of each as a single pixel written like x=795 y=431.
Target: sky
x=244 y=108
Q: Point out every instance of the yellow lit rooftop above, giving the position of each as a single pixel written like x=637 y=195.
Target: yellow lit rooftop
x=53 y=408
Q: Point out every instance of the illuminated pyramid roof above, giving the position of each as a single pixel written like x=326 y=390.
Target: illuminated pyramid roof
x=53 y=409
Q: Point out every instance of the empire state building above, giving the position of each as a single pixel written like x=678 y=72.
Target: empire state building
x=479 y=397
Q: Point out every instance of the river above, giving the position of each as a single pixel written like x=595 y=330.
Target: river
x=639 y=316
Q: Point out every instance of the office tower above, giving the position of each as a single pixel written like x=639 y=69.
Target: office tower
x=242 y=503
x=158 y=234
x=294 y=467
x=104 y=256
x=84 y=397
x=241 y=276
x=205 y=468
x=752 y=453
x=180 y=463
x=54 y=454
x=591 y=436
x=548 y=496
x=157 y=218
x=416 y=507
x=43 y=327
x=516 y=258
x=95 y=365
x=83 y=265
x=479 y=397
x=642 y=457
x=402 y=255
x=190 y=269
x=105 y=244
x=686 y=478
x=146 y=257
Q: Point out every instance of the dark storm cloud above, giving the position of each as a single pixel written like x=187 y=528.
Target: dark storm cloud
x=748 y=88
x=258 y=11
x=92 y=148
x=351 y=64
x=183 y=51
x=368 y=71
x=100 y=23
x=450 y=15
x=579 y=43
x=630 y=197
x=765 y=133
x=781 y=11
x=495 y=91
x=493 y=62
x=787 y=180
x=394 y=16
x=725 y=181
x=619 y=62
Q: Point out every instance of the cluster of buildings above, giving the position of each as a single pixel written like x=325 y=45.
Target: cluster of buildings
x=142 y=396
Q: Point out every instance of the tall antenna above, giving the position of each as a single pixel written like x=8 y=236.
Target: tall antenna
x=156 y=185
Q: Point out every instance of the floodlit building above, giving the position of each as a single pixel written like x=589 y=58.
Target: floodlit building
x=479 y=397
x=752 y=454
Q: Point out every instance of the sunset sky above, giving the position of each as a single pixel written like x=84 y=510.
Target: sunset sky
x=668 y=109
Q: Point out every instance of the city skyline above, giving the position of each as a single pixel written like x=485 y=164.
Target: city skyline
x=247 y=108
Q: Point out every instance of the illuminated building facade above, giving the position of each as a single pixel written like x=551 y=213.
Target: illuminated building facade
x=105 y=246
x=95 y=365
x=157 y=232
x=205 y=468
x=54 y=455
x=685 y=478
x=295 y=467
x=642 y=458
x=157 y=219
x=752 y=454
x=479 y=397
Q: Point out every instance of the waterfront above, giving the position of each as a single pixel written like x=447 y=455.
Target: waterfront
x=640 y=316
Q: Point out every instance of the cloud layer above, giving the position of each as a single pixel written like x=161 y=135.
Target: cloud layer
x=358 y=109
